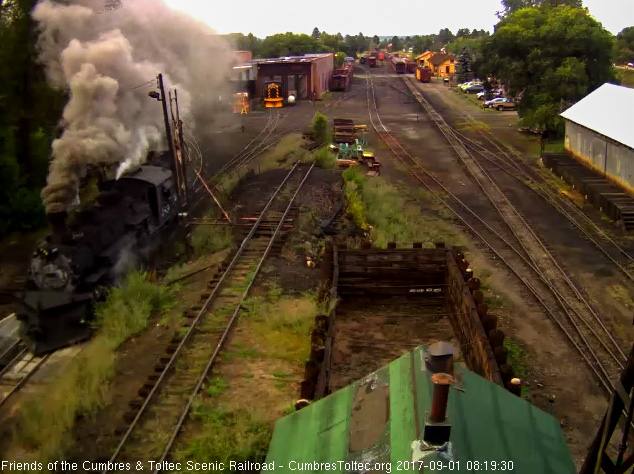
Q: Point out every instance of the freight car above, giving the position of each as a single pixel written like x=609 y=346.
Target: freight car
x=410 y=66
x=372 y=61
x=423 y=74
x=397 y=64
x=89 y=251
x=340 y=80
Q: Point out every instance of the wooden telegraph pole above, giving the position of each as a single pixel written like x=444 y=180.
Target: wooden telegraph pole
x=170 y=143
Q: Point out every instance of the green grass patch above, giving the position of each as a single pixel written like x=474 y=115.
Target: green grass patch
x=626 y=77
x=392 y=214
x=230 y=435
x=207 y=239
x=274 y=293
x=236 y=421
x=241 y=351
x=287 y=151
x=516 y=357
x=183 y=269
x=216 y=387
x=555 y=147
x=324 y=158
x=42 y=432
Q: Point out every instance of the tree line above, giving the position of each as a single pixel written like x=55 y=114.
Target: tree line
x=549 y=53
x=288 y=44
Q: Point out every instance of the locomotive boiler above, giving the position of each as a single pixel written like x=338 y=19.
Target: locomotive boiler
x=88 y=251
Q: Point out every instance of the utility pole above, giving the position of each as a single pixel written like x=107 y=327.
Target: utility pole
x=181 y=139
x=178 y=146
x=170 y=143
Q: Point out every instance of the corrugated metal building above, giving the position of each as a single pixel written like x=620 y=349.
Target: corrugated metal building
x=384 y=418
x=600 y=133
x=305 y=77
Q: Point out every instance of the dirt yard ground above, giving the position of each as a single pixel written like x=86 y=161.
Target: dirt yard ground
x=372 y=333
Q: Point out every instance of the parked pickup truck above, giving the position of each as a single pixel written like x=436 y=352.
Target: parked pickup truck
x=500 y=104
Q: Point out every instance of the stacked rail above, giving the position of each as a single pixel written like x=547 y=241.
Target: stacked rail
x=167 y=397
x=345 y=131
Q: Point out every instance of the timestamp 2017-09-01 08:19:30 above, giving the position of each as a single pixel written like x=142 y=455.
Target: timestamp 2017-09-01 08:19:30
x=456 y=466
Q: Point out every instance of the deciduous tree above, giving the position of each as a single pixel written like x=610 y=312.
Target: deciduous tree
x=551 y=57
x=624 y=50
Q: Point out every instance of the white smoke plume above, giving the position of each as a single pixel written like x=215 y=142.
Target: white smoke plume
x=108 y=61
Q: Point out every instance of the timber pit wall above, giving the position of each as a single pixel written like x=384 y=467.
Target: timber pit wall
x=441 y=274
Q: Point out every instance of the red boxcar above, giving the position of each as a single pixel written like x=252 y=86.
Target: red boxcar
x=423 y=74
x=372 y=61
x=410 y=66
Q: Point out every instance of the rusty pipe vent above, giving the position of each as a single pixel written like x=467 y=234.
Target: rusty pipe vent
x=441 y=358
x=441 y=382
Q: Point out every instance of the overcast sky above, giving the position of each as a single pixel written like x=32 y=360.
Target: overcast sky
x=407 y=17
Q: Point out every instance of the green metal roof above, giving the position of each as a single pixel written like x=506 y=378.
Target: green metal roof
x=381 y=419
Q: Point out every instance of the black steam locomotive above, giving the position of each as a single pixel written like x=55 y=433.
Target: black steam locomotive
x=86 y=252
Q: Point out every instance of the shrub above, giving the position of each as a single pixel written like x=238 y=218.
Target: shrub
x=320 y=127
x=325 y=159
x=210 y=238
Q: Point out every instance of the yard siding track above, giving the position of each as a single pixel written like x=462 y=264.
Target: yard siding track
x=551 y=287
x=267 y=138
x=18 y=370
x=512 y=164
x=570 y=297
x=159 y=419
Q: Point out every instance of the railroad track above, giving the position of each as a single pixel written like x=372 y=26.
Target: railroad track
x=17 y=368
x=528 y=259
x=168 y=396
x=507 y=160
x=342 y=97
x=267 y=138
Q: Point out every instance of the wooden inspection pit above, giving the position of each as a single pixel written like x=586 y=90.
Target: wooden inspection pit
x=390 y=301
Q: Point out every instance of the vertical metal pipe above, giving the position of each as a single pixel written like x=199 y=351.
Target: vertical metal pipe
x=441 y=396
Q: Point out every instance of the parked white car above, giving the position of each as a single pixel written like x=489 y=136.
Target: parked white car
x=500 y=103
x=493 y=102
x=464 y=85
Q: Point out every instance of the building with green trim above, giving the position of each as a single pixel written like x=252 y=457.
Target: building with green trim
x=378 y=424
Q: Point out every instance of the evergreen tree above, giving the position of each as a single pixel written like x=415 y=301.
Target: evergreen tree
x=316 y=35
x=396 y=43
x=464 y=66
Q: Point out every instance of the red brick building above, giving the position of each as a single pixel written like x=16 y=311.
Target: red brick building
x=305 y=77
